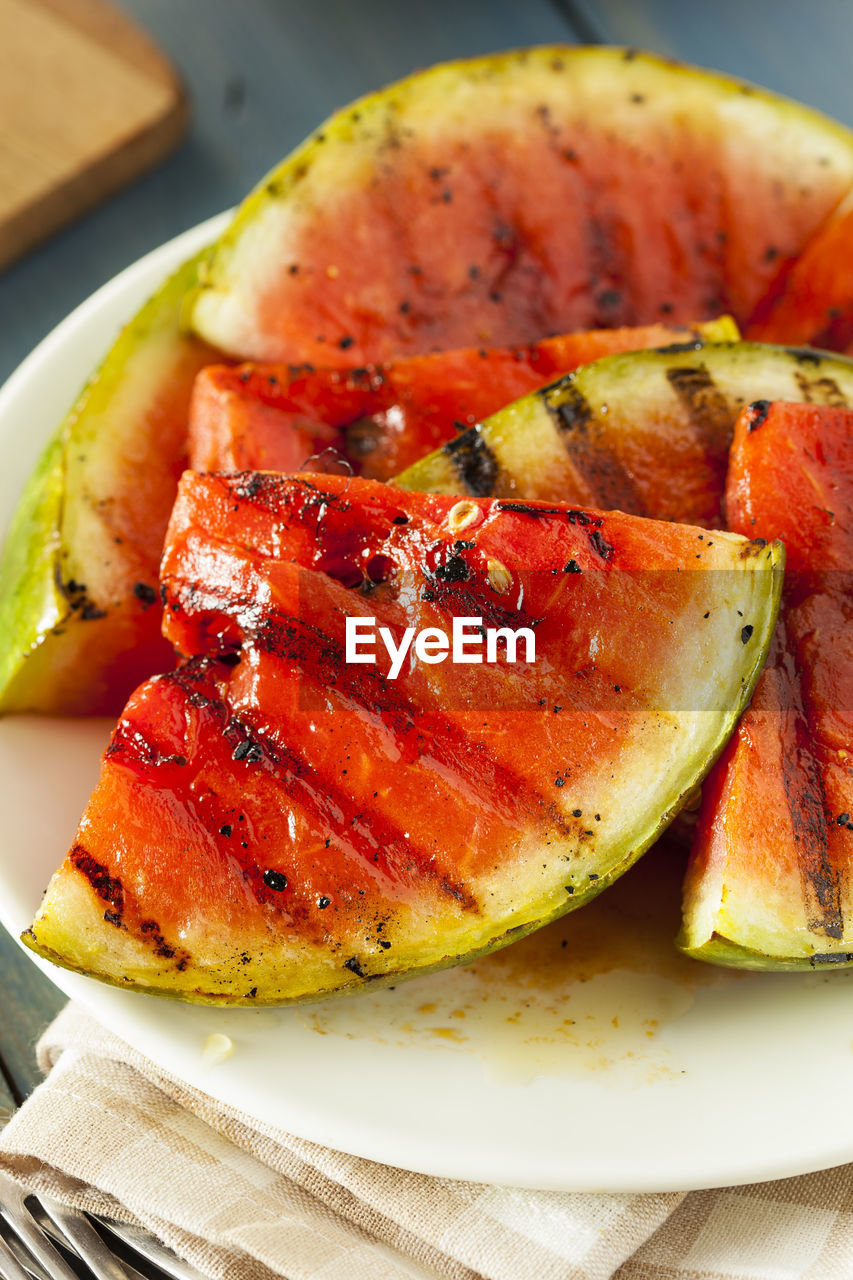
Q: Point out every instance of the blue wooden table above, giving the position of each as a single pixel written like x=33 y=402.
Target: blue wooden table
x=261 y=74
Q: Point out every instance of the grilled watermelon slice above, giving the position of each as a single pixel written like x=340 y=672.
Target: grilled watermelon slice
x=769 y=883
x=647 y=432
x=79 y=611
x=384 y=417
x=274 y=823
x=501 y=199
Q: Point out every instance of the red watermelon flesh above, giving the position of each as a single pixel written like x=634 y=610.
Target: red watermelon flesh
x=273 y=822
x=812 y=301
x=382 y=417
x=498 y=200
x=769 y=880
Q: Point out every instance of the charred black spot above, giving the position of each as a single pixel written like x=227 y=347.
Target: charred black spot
x=251 y=752
x=249 y=486
x=582 y=518
x=600 y=544
x=756 y=414
x=145 y=594
x=107 y=887
x=831 y=957
x=457 y=891
x=346 y=342
x=151 y=931
x=453 y=569
x=804 y=355
x=354 y=967
x=113 y=917
x=678 y=348
x=821 y=391
x=474 y=461
x=225 y=829
x=572 y=567
x=77 y=596
x=525 y=509
x=323 y=902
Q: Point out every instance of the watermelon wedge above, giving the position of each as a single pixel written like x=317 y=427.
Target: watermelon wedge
x=277 y=821
x=498 y=200
x=384 y=417
x=646 y=432
x=79 y=611
x=769 y=883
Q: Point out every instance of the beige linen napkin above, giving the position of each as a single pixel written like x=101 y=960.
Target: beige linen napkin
x=109 y=1132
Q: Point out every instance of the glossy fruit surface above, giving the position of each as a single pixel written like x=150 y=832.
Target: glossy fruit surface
x=277 y=822
x=768 y=885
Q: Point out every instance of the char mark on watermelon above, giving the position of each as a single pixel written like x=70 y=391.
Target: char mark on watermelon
x=649 y=430
x=474 y=463
x=769 y=882
x=599 y=468
x=332 y=825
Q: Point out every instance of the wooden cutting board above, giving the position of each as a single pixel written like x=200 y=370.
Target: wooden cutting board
x=87 y=102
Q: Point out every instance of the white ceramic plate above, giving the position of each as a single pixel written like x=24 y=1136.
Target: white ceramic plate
x=590 y=1056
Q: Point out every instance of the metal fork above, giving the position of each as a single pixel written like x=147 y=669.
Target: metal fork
x=41 y=1239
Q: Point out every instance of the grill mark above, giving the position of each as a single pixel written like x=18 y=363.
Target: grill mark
x=474 y=462
x=322 y=659
x=710 y=416
x=109 y=888
x=707 y=408
x=327 y=806
x=821 y=391
x=806 y=800
x=611 y=483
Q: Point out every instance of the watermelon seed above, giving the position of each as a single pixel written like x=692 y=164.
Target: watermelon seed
x=464 y=515
x=745 y=633
x=323 y=902
x=225 y=829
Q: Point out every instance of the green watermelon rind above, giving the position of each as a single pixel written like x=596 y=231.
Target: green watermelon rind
x=47 y=661
x=731 y=955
